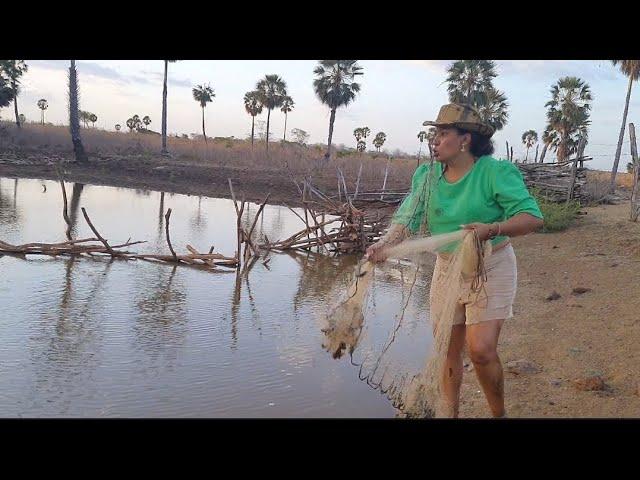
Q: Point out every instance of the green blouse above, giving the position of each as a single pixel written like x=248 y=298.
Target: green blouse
x=491 y=191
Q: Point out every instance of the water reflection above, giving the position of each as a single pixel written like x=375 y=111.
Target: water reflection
x=198 y=222
x=320 y=275
x=74 y=205
x=161 y=320
x=70 y=337
x=8 y=208
x=89 y=336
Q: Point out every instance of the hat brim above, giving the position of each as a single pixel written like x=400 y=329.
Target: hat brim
x=472 y=127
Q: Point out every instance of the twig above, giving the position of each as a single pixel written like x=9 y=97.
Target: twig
x=104 y=242
x=166 y=227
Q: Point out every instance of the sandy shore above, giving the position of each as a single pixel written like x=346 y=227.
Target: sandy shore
x=576 y=335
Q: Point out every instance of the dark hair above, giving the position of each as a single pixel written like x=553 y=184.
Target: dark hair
x=480 y=144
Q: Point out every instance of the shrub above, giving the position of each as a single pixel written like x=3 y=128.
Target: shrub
x=557 y=216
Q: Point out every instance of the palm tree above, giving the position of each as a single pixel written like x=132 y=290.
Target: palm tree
x=471 y=82
x=42 y=105
x=131 y=124
x=13 y=70
x=253 y=106
x=467 y=78
x=358 y=134
x=529 y=138
x=335 y=87
x=147 y=121
x=568 y=114
x=631 y=68
x=137 y=123
x=271 y=90
x=118 y=127
x=431 y=135
x=203 y=94
x=287 y=106
x=6 y=93
x=549 y=137
x=164 y=151
x=93 y=118
x=84 y=117
x=74 y=110
x=365 y=132
x=361 y=146
x=492 y=106
x=379 y=140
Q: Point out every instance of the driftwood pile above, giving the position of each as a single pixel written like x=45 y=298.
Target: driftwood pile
x=558 y=182
x=330 y=226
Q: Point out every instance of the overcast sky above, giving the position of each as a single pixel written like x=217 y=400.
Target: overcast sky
x=396 y=97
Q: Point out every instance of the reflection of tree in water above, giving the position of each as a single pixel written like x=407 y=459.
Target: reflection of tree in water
x=69 y=355
x=161 y=325
x=160 y=235
x=198 y=222
x=8 y=210
x=320 y=275
x=277 y=224
x=73 y=207
x=235 y=307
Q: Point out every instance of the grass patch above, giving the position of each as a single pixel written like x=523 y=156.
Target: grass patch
x=557 y=216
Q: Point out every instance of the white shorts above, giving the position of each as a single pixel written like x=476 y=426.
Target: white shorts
x=493 y=302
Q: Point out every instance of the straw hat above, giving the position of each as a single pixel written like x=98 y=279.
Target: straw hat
x=462 y=116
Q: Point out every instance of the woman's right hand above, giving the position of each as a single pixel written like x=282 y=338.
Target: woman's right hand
x=376 y=252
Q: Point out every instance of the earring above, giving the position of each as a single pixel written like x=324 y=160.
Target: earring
x=462 y=147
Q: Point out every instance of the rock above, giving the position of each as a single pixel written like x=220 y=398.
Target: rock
x=590 y=384
x=553 y=296
x=580 y=290
x=518 y=367
x=556 y=382
x=555 y=246
x=614 y=265
x=573 y=303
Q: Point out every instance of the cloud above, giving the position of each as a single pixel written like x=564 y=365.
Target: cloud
x=176 y=82
x=100 y=71
x=588 y=70
x=435 y=66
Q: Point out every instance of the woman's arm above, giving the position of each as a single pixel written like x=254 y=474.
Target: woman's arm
x=518 y=225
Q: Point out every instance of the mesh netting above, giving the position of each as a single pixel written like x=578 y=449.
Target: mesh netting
x=384 y=322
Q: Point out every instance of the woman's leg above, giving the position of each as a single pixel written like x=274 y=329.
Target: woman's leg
x=453 y=370
x=482 y=341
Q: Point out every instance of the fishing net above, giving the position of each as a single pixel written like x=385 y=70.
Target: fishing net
x=406 y=358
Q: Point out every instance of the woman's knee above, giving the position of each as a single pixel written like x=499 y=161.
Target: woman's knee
x=482 y=353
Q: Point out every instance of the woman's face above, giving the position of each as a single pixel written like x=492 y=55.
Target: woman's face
x=447 y=143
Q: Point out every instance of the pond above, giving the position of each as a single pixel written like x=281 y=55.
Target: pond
x=94 y=337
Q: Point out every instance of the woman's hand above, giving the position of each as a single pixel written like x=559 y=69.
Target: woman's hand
x=483 y=229
x=376 y=252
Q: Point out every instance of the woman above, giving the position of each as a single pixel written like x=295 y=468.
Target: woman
x=468 y=188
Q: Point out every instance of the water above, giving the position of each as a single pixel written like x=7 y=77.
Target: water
x=92 y=337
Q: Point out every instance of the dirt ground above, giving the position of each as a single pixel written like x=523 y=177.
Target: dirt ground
x=576 y=335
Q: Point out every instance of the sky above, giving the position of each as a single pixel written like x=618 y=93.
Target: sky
x=396 y=97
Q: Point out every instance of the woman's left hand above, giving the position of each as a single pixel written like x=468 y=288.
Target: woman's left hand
x=483 y=229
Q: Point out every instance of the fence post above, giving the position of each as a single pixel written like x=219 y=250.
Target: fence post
x=386 y=172
x=636 y=171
